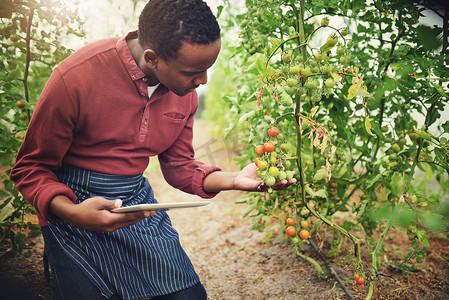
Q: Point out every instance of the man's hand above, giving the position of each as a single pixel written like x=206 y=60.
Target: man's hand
x=95 y=213
x=246 y=180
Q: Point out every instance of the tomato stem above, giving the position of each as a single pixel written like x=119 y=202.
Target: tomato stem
x=312 y=261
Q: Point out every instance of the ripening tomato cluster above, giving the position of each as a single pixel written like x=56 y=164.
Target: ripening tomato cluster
x=303 y=233
x=313 y=78
x=272 y=162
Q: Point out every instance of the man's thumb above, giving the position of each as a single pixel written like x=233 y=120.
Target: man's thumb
x=115 y=203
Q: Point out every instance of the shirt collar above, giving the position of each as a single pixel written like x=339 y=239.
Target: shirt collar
x=135 y=73
x=127 y=59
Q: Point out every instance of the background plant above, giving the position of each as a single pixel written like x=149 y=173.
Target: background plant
x=358 y=91
x=32 y=42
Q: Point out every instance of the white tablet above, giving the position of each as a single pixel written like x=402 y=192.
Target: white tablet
x=160 y=206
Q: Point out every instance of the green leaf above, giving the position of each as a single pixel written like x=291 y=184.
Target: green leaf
x=390 y=84
x=320 y=194
x=434 y=222
x=440 y=90
x=261 y=63
x=348 y=225
x=320 y=175
x=421 y=234
x=428 y=37
x=442 y=158
x=368 y=125
x=12 y=74
x=219 y=10
x=445 y=126
x=275 y=43
x=372 y=181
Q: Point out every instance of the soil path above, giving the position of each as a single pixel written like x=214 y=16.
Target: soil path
x=230 y=259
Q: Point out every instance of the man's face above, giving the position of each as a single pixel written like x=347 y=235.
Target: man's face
x=188 y=70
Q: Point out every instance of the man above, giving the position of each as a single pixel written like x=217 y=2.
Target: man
x=104 y=111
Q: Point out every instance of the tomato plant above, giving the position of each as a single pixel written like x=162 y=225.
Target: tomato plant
x=30 y=37
x=358 y=90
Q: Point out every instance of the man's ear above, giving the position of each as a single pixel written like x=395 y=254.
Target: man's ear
x=151 y=58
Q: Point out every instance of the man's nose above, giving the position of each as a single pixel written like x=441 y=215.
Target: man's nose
x=201 y=79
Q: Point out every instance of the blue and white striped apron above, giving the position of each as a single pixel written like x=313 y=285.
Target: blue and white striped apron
x=142 y=260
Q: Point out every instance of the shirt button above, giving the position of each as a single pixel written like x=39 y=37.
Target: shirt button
x=145 y=122
x=133 y=76
x=144 y=79
x=143 y=94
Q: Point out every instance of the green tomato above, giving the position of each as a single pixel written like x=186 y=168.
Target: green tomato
x=270 y=180
x=296 y=240
x=319 y=56
x=289 y=89
x=413 y=136
x=301 y=91
x=393 y=156
x=340 y=50
x=306 y=71
x=273 y=171
x=331 y=41
x=289 y=174
x=287 y=164
x=344 y=59
x=327 y=68
x=286 y=57
x=292 y=81
x=330 y=83
x=262 y=164
x=285 y=147
x=294 y=70
x=396 y=148
x=282 y=175
x=311 y=83
x=325 y=21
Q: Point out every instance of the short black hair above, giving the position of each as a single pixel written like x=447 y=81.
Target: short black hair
x=165 y=24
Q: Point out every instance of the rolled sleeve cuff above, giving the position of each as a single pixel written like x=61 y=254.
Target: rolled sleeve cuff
x=197 y=182
x=44 y=197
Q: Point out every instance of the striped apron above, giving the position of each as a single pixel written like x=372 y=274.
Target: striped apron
x=142 y=260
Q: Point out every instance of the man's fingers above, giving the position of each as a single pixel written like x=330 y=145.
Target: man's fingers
x=130 y=218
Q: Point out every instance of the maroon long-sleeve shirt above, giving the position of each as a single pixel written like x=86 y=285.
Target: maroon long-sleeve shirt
x=94 y=113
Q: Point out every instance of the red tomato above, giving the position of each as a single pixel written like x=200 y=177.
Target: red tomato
x=290 y=221
x=290 y=231
x=268 y=147
x=273 y=131
x=360 y=280
x=259 y=150
x=304 y=234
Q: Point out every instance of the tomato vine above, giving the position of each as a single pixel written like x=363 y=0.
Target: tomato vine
x=345 y=83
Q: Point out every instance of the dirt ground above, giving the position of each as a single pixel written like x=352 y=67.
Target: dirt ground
x=232 y=261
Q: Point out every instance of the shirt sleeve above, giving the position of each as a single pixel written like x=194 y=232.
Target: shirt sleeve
x=47 y=140
x=178 y=165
